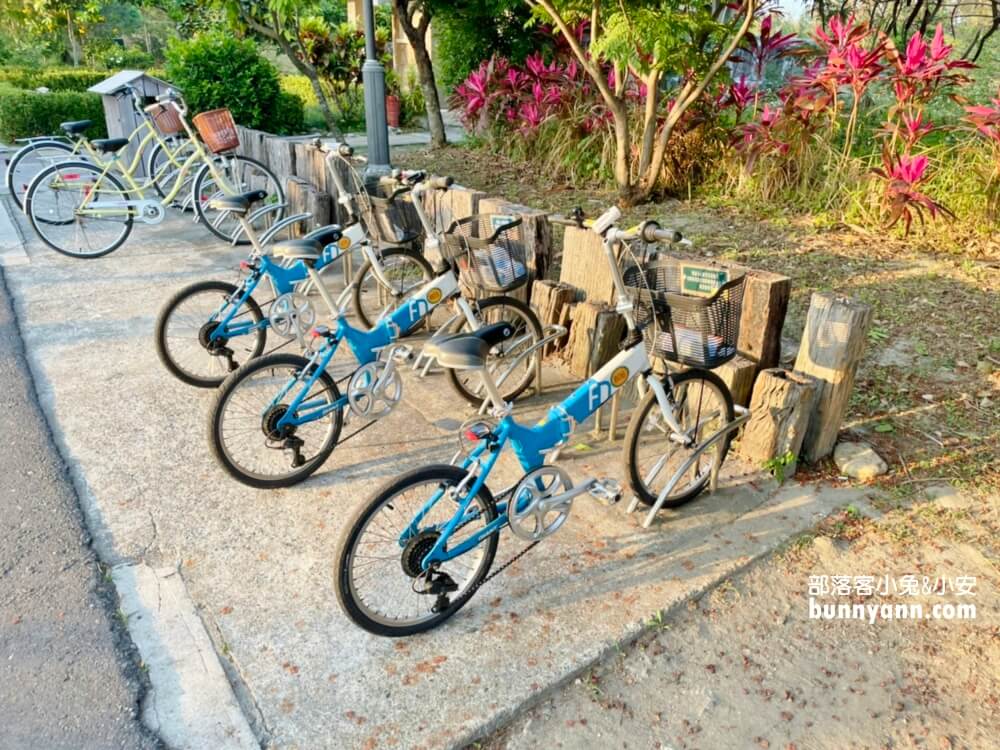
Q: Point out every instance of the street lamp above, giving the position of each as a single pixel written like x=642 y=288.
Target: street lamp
x=373 y=80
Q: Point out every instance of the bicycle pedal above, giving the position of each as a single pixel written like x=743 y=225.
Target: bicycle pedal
x=606 y=491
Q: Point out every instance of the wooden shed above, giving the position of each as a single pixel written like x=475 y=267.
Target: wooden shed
x=119 y=114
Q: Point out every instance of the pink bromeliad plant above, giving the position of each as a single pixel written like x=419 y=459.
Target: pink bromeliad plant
x=984 y=119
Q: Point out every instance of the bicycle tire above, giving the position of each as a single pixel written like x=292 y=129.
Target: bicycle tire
x=17 y=194
x=223 y=394
x=536 y=327
x=199 y=182
x=420 y=260
x=352 y=531
x=632 y=435
x=163 y=350
x=29 y=205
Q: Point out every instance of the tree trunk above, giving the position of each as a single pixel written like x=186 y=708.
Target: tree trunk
x=416 y=35
x=75 y=53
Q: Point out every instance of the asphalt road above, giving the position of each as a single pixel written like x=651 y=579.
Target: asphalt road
x=68 y=672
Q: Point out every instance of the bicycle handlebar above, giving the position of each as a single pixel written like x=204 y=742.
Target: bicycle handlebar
x=648 y=231
x=651 y=232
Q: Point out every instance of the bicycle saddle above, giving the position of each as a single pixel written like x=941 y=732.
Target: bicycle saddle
x=325 y=235
x=307 y=251
x=237 y=204
x=75 y=127
x=468 y=351
x=109 y=145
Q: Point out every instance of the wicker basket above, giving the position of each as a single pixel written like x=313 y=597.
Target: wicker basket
x=699 y=331
x=396 y=220
x=218 y=130
x=166 y=118
x=489 y=251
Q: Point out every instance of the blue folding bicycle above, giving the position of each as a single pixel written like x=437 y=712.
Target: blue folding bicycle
x=423 y=545
x=277 y=418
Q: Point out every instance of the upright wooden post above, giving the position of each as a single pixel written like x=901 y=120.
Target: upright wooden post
x=595 y=333
x=738 y=374
x=550 y=299
x=780 y=410
x=585 y=266
x=765 y=302
x=832 y=346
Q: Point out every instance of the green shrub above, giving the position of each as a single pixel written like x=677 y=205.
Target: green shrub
x=288 y=116
x=301 y=87
x=214 y=69
x=54 y=79
x=128 y=58
x=29 y=113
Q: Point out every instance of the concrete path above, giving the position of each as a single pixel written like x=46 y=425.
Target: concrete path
x=258 y=565
x=69 y=675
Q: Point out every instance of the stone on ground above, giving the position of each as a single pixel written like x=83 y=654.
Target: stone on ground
x=859 y=461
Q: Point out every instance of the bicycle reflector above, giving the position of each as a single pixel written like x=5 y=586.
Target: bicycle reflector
x=473 y=431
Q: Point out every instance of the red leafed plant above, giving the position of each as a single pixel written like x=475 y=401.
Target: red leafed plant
x=767 y=45
x=903 y=175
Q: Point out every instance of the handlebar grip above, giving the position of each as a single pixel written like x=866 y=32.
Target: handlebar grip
x=344 y=150
x=441 y=183
x=652 y=233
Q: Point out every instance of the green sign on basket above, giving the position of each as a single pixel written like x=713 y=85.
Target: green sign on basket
x=702 y=281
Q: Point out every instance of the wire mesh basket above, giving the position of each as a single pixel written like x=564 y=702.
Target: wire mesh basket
x=166 y=118
x=218 y=130
x=691 y=314
x=489 y=250
x=395 y=220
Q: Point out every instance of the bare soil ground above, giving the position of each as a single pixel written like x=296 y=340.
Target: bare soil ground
x=745 y=666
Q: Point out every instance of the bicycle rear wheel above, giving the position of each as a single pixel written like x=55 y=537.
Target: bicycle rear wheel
x=163 y=168
x=58 y=207
x=702 y=405
x=242 y=423
x=513 y=360
x=376 y=576
x=31 y=159
x=240 y=174
x=184 y=328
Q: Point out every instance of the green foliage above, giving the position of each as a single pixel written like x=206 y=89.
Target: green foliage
x=301 y=87
x=214 y=70
x=288 y=116
x=466 y=33
x=54 y=79
x=28 y=113
x=777 y=465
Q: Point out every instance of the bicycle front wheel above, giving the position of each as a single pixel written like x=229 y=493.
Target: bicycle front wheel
x=379 y=573
x=512 y=363
x=239 y=174
x=243 y=429
x=405 y=270
x=701 y=405
x=184 y=329
x=78 y=210
x=29 y=161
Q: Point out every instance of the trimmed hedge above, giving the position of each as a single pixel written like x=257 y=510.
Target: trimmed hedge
x=54 y=79
x=28 y=113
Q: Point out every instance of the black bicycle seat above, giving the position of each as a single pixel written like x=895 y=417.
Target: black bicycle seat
x=237 y=204
x=468 y=351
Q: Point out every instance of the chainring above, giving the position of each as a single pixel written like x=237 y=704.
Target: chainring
x=291 y=315
x=531 y=512
x=374 y=390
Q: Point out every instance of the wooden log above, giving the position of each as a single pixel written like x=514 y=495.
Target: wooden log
x=738 y=374
x=765 y=302
x=780 y=410
x=445 y=206
x=536 y=233
x=595 y=333
x=303 y=161
x=585 y=266
x=320 y=205
x=280 y=156
x=551 y=300
x=832 y=346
